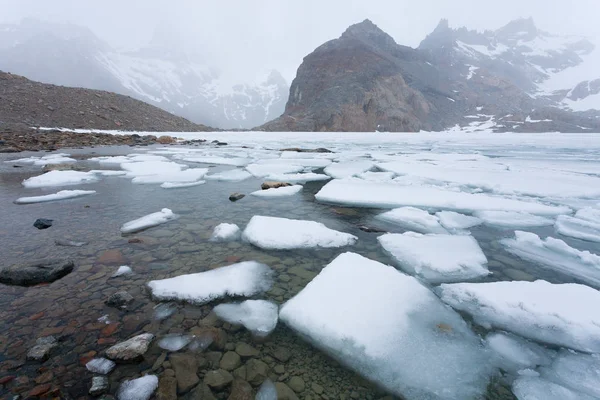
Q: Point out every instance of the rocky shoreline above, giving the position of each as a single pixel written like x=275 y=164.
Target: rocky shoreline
x=16 y=139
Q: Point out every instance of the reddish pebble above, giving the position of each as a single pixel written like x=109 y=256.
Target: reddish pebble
x=6 y=379
x=37 y=316
x=103 y=341
x=87 y=357
x=233 y=259
x=110 y=329
x=39 y=390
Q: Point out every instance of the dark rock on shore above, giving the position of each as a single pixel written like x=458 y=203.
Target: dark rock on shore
x=43 y=223
x=44 y=271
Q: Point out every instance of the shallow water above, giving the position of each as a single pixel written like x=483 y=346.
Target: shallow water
x=72 y=305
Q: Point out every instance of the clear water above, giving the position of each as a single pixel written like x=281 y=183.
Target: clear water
x=72 y=306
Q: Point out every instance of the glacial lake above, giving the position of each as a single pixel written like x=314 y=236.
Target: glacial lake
x=73 y=307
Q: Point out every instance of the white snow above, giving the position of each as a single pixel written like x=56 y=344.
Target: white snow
x=258 y=316
x=534 y=388
x=61 y=158
x=303 y=162
x=454 y=221
x=512 y=219
x=391 y=329
x=283 y=234
x=578 y=228
x=591 y=214
x=233 y=175
x=123 y=270
x=225 y=232
x=100 y=366
x=233 y=161
x=348 y=169
x=243 y=279
x=359 y=193
x=579 y=372
x=550 y=313
x=278 y=192
x=138 y=389
x=515 y=354
x=262 y=170
x=377 y=176
x=60 y=178
x=413 y=219
x=293 y=178
x=557 y=255
x=436 y=257
x=62 y=195
x=176 y=185
x=174 y=342
x=108 y=172
x=161 y=217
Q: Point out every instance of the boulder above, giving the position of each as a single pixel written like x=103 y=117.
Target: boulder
x=165 y=139
x=230 y=361
x=218 y=379
x=43 y=223
x=236 y=196
x=131 y=350
x=256 y=371
x=44 y=271
x=186 y=368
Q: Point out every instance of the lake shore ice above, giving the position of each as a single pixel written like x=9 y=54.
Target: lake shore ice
x=148 y=221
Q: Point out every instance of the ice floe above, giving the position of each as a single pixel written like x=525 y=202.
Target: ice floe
x=514 y=353
x=258 y=316
x=62 y=195
x=436 y=257
x=51 y=159
x=233 y=175
x=454 y=221
x=591 y=214
x=348 y=169
x=60 y=178
x=377 y=176
x=550 y=313
x=555 y=254
x=578 y=228
x=225 y=232
x=243 y=279
x=535 y=388
x=302 y=162
x=108 y=172
x=262 y=170
x=299 y=178
x=361 y=193
x=579 y=372
x=138 y=389
x=161 y=217
x=100 y=366
x=179 y=185
x=236 y=162
x=397 y=334
x=414 y=219
x=512 y=219
x=123 y=270
x=284 y=233
x=278 y=192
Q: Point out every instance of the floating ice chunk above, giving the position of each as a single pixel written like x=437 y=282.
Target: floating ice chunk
x=550 y=313
x=591 y=214
x=151 y=168
x=164 y=310
x=108 y=172
x=100 y=366
x=174 y=342
x=62 y=195
x=377 y=176
x=111 y=159
x=123 y=270
x=398 y=334
x=455 y=221
x=262 y=170
x=258 y=316
x=234 y=175
x=580 y=372
x=60 y=178
x=225 y=232
x=243 y=279
x=54 y=159
x=175 y=185
x=308 y=177
x=303 y=162
x=284 y=233
x=578 y=228
x=185 y=176
x=512 y=219
x=515 y=354
x=161 y=217
x=533 y=388
x=138 y=389
x=413 y=219
x=267 y=391
x=360 y=193
x=556 y=254
x=236 y=162
x=436 y=258
x=347 y=169
x=278 y=192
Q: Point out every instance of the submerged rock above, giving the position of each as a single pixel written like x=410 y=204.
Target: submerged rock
x=130 y=350
x=99 y=385
x=236 y=196
x=44 y=271
x=218 y=379
x=42 y=349
x=185 y=366
x=43 y=223
x=242 y=390
x=119 y=300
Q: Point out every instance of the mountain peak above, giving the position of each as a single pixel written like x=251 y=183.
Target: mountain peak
x=442 y=26
x=367 y=30
x=519 y=27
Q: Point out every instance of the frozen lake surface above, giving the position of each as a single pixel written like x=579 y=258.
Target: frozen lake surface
x=353 y=304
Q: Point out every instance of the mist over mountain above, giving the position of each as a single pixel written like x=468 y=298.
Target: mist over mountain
x=160 y=73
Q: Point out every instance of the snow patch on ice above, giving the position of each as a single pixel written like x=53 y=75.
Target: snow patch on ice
x=278 y=192
x=512 y=219
x=578 y=228
x=413 y=219
x=225 y=232
x=60 y=178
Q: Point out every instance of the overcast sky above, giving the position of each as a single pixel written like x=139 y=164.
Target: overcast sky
x=253 y=34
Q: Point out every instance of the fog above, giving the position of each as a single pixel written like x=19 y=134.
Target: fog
x=241 y=36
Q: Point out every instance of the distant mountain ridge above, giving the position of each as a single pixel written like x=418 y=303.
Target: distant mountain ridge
x=511 y=79
x=70 y=55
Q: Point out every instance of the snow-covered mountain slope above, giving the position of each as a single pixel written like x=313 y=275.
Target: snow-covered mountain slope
x=561 y=71
x=72 y=56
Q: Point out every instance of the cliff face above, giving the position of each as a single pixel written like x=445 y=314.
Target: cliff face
x=365 y=81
